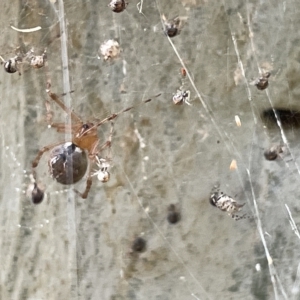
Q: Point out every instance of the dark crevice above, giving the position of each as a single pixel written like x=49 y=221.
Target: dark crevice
x=289 y=118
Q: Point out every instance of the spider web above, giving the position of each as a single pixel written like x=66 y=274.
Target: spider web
x=162 y=154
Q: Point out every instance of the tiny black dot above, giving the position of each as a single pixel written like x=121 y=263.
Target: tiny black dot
x=138 y=245
x=173 y=215
x=37 y=195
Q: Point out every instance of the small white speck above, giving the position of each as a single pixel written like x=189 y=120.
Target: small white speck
x=257 y=267
x=295 y=290
x=237 y=121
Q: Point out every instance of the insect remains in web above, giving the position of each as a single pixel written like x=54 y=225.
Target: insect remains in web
x=181 y=97
x=273 y=152
x=117 y=6
x=12 y=65
x=227 y=204
x=70 y=160
x=36 y=61
x=110 y=50
x=262 y=82
x=172 y=27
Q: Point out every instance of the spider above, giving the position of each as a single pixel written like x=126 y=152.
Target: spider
x=173 y=26
x=262 y=82
x=70 y=160
x=181 y=97
x=110 y=50
x=11 y=65
x=226 y=203
x=273 y=152
x=35 y=61
x=118 y=6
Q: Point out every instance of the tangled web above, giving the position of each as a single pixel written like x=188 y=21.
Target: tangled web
x=150 y=232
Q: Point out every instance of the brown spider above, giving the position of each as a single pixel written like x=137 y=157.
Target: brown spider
x=68 y=161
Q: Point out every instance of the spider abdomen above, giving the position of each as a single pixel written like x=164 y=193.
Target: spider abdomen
x=68 y=163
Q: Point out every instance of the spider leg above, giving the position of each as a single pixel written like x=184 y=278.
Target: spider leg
x=107 y=144
x=65 y=128
x=89 y=182
x=36 y=161
x=114 y=115
x=60 y=127
x=56 y=99
x=95 y=150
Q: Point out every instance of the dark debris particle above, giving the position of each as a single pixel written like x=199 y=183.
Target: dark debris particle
x=289 y=118
x=37 y=195
x=173 y=215
x=138 y=245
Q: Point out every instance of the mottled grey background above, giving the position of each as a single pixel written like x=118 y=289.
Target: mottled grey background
x=70 y=248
